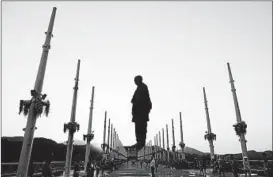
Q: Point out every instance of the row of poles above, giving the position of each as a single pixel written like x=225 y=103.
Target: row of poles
x=158 y=148
x=37 y=105
x=240 y=130
x=113 y=148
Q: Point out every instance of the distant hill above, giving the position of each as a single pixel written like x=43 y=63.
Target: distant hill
x=192 y=153
x=83 y=144
x=43 y=149
x=14 y=139
x=253 y=155
x=189 y=150
x=77 y=142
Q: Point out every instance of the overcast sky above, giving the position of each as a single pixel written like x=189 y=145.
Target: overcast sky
x=178 y=48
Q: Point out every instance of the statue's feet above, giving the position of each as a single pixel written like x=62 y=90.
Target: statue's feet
x=139 y=146
x=135 y=145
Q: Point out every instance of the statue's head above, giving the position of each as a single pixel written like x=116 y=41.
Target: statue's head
x=138 y=80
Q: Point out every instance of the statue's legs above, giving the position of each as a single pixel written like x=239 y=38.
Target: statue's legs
x=141 y=131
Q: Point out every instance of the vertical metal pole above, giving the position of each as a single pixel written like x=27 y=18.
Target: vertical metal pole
x=239 y=121
x=114 y=143
x=31 y=121
x=173 y=141
x=111 y=144
x=72 y=123
x=157 y=148
x=159 y=140
x=208 y=125
x=182 y=139
x=108 y=141
x=111 y=138
x=163 y=144
x=104 y=132
x=168 y=148
x=151 y=144
x=89 y=131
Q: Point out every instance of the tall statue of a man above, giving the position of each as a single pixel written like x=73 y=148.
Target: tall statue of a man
x=141 y=108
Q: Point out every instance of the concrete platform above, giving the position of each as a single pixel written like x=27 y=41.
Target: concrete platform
x=136 y=171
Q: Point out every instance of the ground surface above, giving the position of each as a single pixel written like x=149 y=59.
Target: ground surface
x=135 y=171
x=129 y=170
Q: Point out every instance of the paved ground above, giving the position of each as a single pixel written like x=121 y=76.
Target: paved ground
x=135 y=171
x=130 y=171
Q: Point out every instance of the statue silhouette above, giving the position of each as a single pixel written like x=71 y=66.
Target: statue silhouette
x=141 y=108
